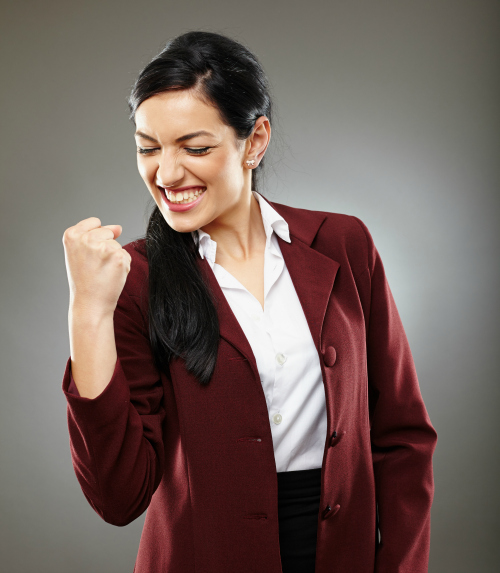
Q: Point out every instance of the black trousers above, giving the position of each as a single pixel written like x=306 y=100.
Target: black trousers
x=298 y=508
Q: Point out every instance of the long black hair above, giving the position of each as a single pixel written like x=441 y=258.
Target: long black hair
x=182 y=315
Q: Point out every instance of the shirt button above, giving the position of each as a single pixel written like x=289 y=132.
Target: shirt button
x=280 y=358
x=277 y=418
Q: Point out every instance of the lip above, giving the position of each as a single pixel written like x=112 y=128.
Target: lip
x=180 y=207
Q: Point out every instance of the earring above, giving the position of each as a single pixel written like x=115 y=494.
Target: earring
x=250 y=162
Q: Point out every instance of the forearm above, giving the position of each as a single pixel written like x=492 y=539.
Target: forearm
x=93 y=349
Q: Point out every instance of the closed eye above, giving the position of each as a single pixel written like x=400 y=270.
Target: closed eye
x=147 y=150
x=192 y=150
x=197 y=150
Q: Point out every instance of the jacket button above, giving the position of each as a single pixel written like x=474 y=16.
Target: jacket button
x=330 y=356
x=328 y=511
x=336 y=437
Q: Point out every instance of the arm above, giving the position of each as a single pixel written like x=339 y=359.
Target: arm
x=403 y=439
x=116 y=437
x=93 y=351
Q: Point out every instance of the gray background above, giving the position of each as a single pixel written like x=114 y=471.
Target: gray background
x=386 y=110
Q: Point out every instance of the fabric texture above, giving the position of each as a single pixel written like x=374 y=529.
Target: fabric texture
x=201 y=459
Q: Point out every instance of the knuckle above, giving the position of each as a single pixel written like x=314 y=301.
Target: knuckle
x=113 y=247
x=84 y=238
x=68 y=235
x=102 y=248
x=95 y=220
x=118 y=259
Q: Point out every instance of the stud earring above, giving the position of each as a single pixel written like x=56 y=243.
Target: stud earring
x=250 y=162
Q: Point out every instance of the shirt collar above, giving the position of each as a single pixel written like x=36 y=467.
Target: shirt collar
x=271 y=219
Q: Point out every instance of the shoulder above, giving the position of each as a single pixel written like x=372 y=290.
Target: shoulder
x=346 y=235
x=342 y=237
x=137 y=248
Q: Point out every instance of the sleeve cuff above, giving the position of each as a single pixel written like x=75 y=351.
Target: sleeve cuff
x=72 y=389
x=105 y=407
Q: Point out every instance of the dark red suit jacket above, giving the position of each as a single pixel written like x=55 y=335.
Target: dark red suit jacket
x=201 y=460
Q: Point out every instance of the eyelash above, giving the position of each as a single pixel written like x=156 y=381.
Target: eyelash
x=193 y=150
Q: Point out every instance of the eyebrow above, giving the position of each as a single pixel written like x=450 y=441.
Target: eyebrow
x=179 y=139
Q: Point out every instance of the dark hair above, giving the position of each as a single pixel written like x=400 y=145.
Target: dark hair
x=182 y=315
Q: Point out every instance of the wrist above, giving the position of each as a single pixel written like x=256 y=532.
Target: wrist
x=88 y=312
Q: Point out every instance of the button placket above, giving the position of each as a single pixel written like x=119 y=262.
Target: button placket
x=273 y=264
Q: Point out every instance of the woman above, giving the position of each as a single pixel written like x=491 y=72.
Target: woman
x=242 y=372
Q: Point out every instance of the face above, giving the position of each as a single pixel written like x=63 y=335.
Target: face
x=191 y=162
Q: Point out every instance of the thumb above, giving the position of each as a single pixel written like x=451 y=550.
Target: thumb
x=117 y=229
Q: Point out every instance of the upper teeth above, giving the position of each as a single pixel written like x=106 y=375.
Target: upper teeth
x=184 y=196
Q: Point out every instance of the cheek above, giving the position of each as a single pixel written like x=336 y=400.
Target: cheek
x=223 y=168
x=146 y=170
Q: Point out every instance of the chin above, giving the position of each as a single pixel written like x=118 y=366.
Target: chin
x=181 y=226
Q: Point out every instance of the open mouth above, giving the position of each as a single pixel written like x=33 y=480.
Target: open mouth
x=183 y=200
x=183 y=197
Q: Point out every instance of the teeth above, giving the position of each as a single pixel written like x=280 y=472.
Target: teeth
x=184 y=196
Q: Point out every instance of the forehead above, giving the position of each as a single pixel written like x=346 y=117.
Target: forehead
x=169 y=115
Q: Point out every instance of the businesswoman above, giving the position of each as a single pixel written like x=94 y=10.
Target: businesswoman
x=241 y=371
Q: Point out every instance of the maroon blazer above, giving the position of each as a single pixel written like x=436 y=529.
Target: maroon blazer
x=201 y=459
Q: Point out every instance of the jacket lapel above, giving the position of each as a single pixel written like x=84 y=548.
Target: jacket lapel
x=229 y=326
x=312 y=273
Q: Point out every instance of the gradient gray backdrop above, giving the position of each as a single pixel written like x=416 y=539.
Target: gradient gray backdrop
x=387 y=110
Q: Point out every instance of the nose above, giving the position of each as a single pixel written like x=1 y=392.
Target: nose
x=170 y=171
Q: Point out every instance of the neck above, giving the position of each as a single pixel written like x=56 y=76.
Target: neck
x=241 y=234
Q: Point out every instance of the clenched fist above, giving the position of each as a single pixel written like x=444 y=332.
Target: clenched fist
x=96 y=264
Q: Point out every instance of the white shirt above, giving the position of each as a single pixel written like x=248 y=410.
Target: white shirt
x=281 y=341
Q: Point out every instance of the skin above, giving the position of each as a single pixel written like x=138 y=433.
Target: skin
x=228 y=211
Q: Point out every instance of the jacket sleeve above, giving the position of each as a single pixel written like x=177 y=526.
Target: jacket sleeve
x=402 y=437
x=116 y=438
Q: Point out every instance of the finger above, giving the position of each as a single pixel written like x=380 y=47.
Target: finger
x=100 y=234
x=88 y=224
x=117 y=229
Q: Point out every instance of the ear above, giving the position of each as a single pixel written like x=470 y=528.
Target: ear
x=259 y=140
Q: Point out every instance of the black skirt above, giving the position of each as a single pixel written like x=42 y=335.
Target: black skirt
x=298 y=508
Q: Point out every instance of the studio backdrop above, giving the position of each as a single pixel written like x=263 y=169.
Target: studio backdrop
x=384 y=110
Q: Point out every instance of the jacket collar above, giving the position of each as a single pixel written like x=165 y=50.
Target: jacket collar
x=312 y=273
x=302 y=223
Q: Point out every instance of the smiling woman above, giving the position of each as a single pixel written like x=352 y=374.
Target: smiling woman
x=241 y=371
x=175 y=166
x=202 y=109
